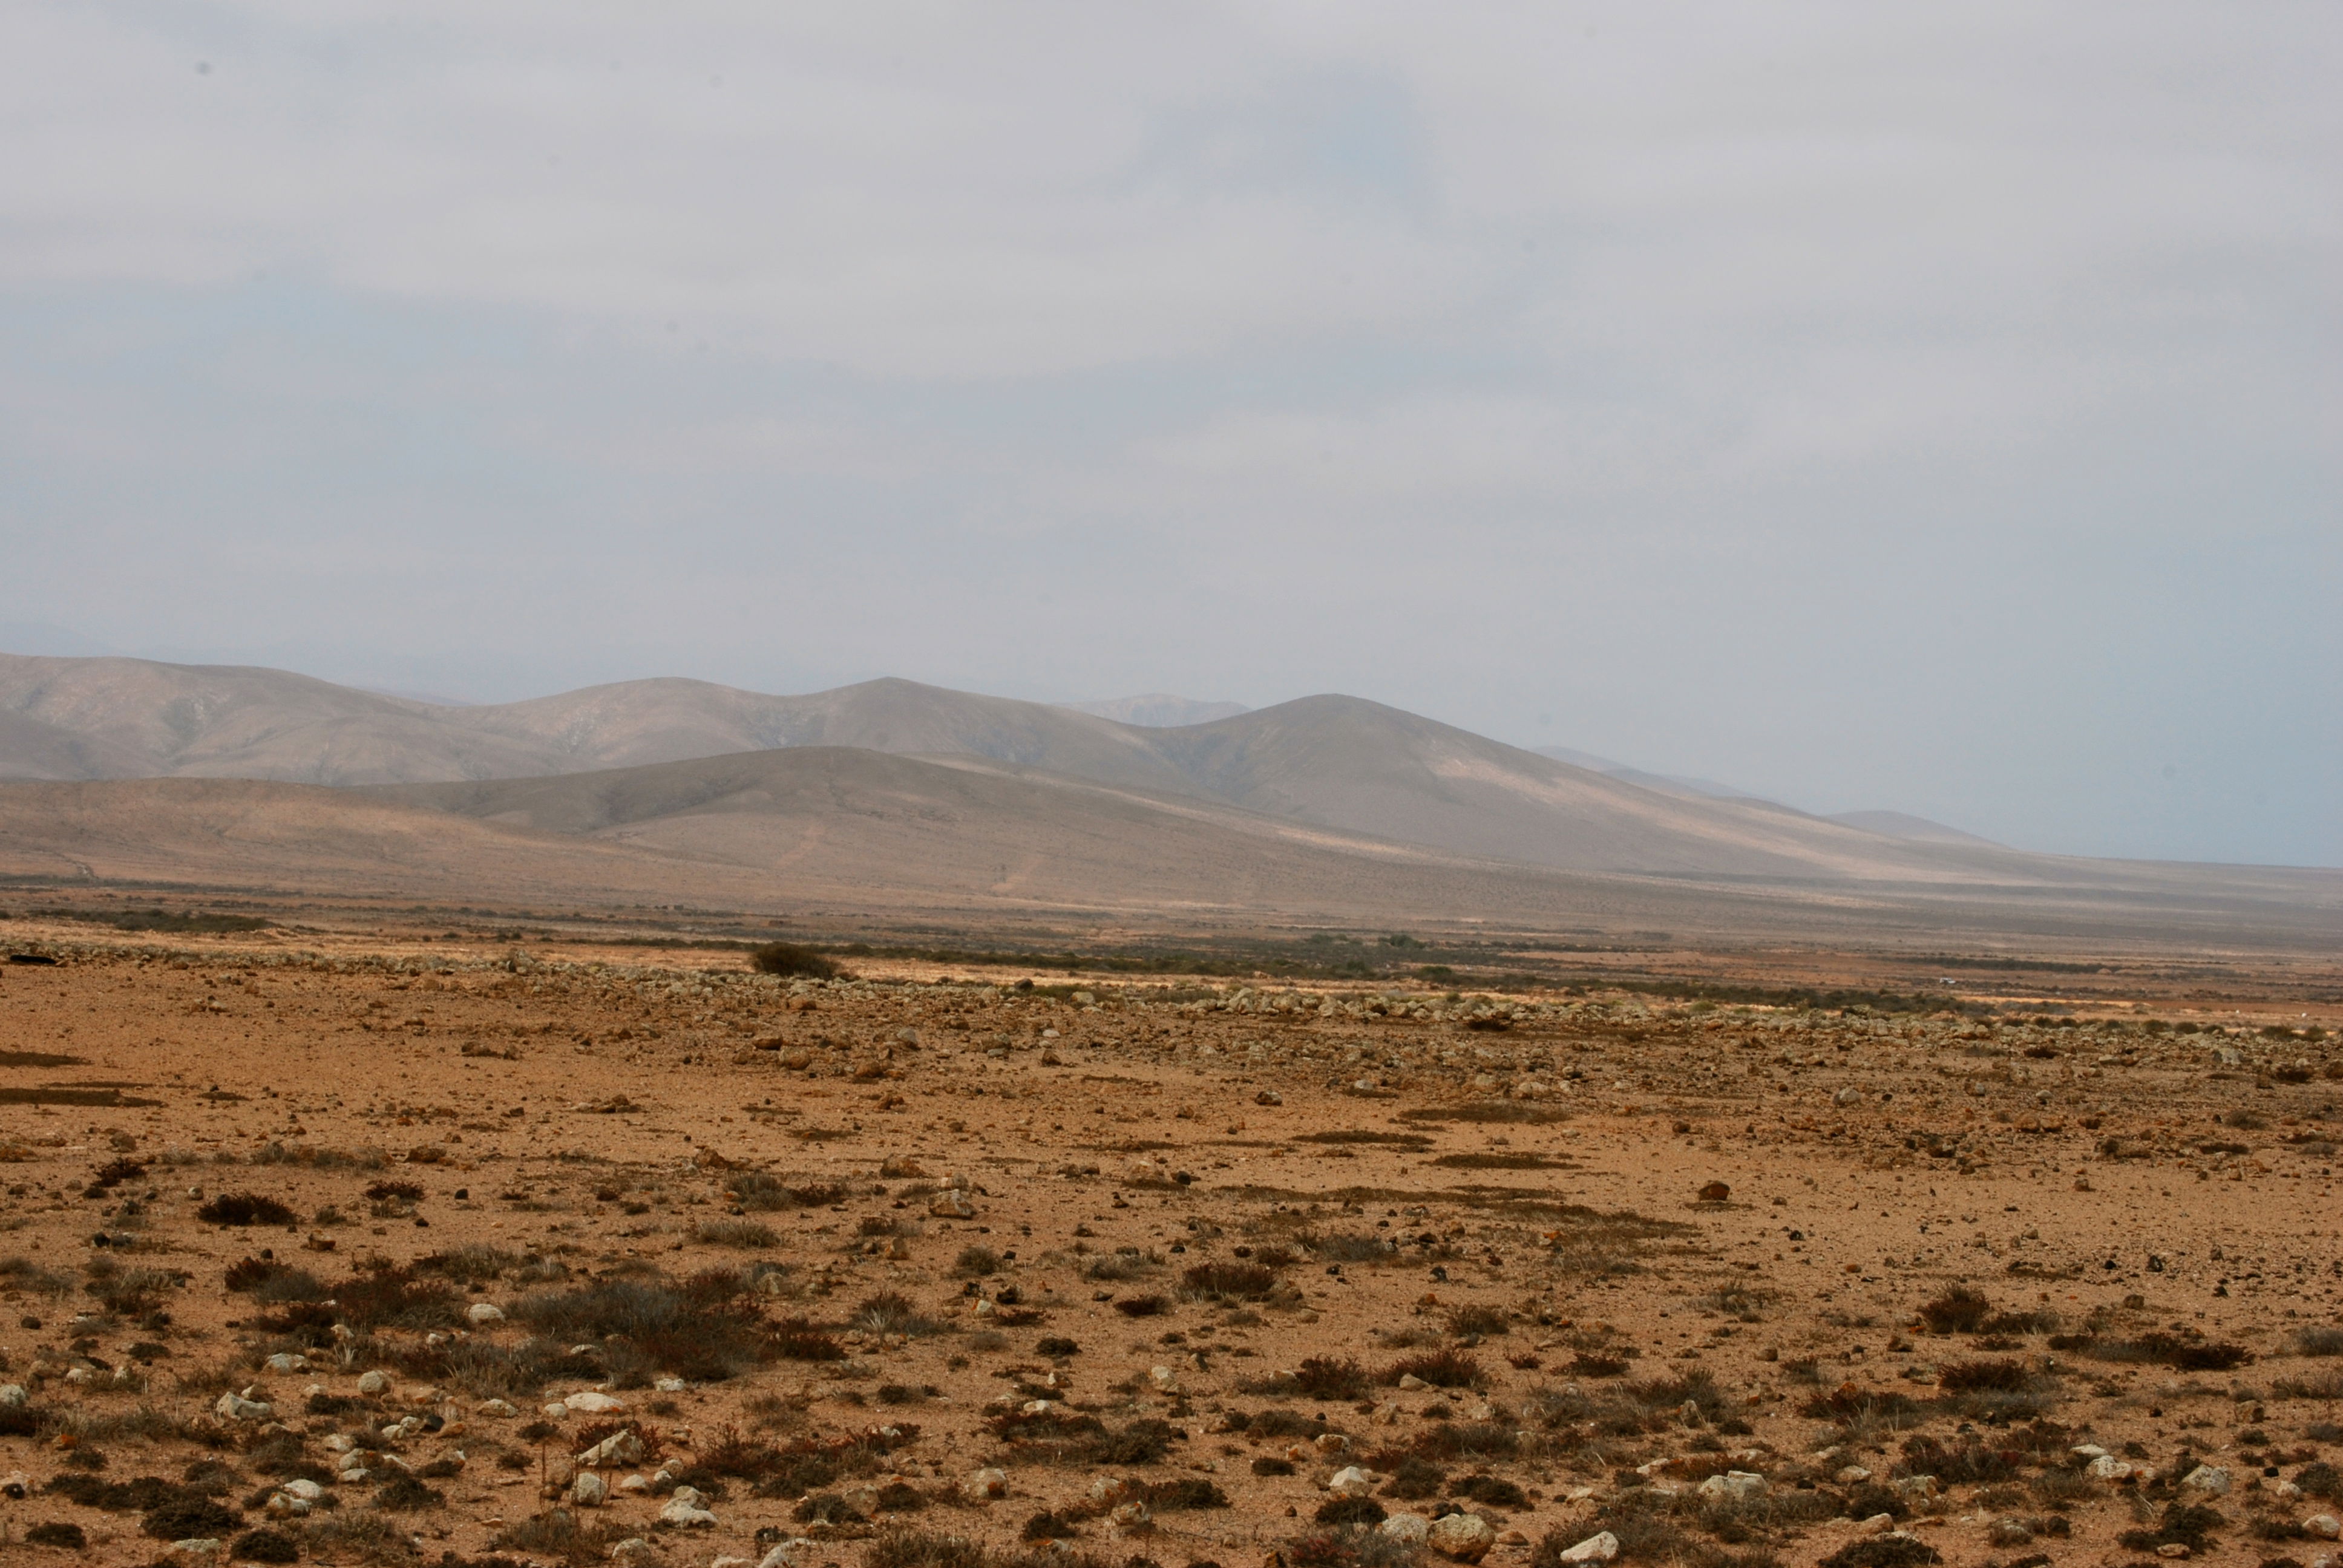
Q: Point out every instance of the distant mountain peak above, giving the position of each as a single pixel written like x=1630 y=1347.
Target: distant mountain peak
x=1158 y=711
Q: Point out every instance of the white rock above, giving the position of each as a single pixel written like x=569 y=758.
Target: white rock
x=2107 y=1467
x=280 y=1506
x=307 y=1491
x=1409 y=1383
x=2087 y=1451
x=2325 y=1527
x=787 y=1553
x=951 y=1205
x=1165 y=1380
x=199 y=1547
x=593 y=1404
x=374 y=1382
x=589 y=1490
x=980 y=1486
x=1853 y=1475
x=282 y=1363
x=1739 y=1485
x=635 y=1550
x=1131 y=1518
x=496 y=1407
x=671 y=1386
x=620 y=1448
x=1407 y=1528
x=1463 y=1537
x=13 y=1396
x=634 y=1485
x=2209 y=1479
x=1597 y=1548
x=1351 y=1482
x=685 y=1516
x=236 y=1407
x=480 y=1314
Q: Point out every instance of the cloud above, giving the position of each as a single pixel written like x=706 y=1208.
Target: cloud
x=1935 y=406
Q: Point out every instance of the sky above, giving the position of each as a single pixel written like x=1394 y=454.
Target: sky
x=1924 y=407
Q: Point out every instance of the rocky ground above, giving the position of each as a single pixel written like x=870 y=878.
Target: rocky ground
x=350 y=1252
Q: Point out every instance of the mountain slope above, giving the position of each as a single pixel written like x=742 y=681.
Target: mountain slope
x=1364 y=768
x=116 y=717
x=1159 y=710
x=642 y=721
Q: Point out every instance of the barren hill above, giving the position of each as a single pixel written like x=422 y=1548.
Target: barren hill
x=845 y=831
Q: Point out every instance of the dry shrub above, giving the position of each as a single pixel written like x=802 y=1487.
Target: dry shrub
x=2178 y=1352
x=802 y=1339
x=1442 y=1368
x=892 y=1313
x=558 y=1533
x=1058 y=1436
x=1478 y=1321
x=1325 y=1377
x=1963 y=1377
x=746 y=1234
x=246 y=1208
x=1956 y=1310
x=1228 y=1282
x=707 y=1328
x=790 y=958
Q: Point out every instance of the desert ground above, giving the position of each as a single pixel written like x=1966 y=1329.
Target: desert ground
x=370 y=1245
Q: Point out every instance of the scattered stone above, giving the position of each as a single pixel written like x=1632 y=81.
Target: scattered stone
x=588 y=1490
x=1465 y=1537
x=1600 y=1547
x=688 y=1509
x=374 y=1382
x=2209 y=1479
x=620 y=1448
x=1351 y=1482
x=592 y=1403
x=479 y=1314
x=1407 y=1528
x=982 y=1486
x=1734 y=1485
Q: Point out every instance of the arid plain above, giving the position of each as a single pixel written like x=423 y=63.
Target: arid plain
x=345 y=1239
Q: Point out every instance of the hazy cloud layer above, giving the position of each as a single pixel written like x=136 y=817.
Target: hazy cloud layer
x=1874 y=408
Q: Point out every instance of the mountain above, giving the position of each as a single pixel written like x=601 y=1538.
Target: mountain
x=1665 y=783
x=1336 y=771
x=1159 y=710
x=134 y=717
x=1902 y=825
x=831 y=837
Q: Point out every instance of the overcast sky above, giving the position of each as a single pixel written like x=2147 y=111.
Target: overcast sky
x=1933 y=407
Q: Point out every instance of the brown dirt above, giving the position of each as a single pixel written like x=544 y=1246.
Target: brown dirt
x=1517 y=1182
